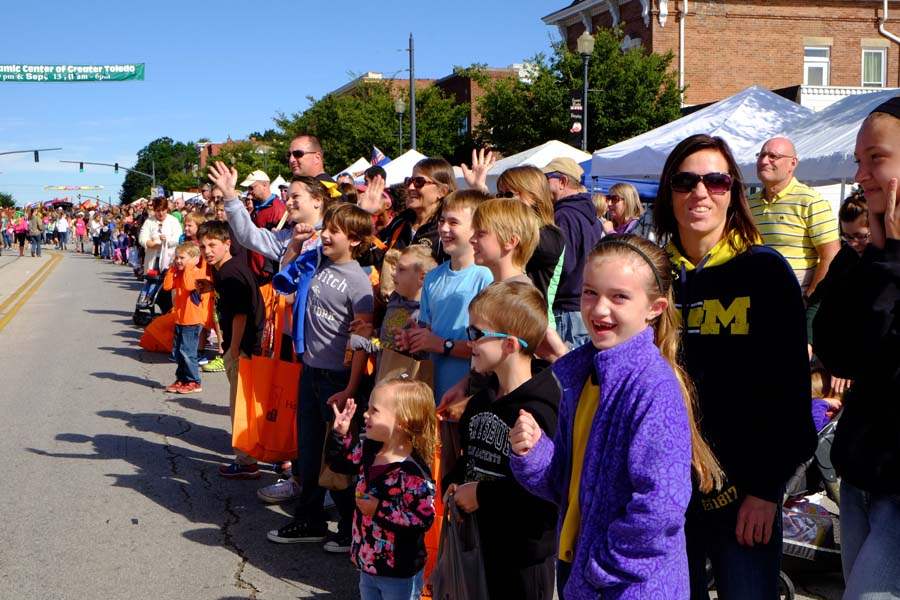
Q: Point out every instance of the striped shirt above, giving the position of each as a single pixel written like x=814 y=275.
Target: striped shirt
x=795 y=222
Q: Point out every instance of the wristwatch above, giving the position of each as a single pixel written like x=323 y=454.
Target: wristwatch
x=448 y=347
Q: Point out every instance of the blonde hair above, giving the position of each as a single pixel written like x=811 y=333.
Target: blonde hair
x=667 y=335
x=515 y=308
x=461 y=199
x=629 y=195
x=414 y=409
x=420 y=253
x=189 y=248
x=508 y=219
x=195 y=217
x=601 y=206
x=530 y=185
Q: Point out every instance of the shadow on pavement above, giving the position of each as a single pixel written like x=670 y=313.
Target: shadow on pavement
x=116 y=313
x=188 y=402
x=227 y=513
x=119 y=377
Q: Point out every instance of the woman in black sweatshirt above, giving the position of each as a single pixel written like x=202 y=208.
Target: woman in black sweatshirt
x=744 y=344
x=857 y=336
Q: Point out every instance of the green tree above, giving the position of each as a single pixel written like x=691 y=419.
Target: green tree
x=248 y=156
x=6 y=200
x=348 y=125
x=631 y=92
x=175 y=168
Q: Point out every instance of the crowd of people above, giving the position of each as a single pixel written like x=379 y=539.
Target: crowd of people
x=618 y=394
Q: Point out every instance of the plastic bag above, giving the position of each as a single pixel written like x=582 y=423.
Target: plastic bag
x=459 y=572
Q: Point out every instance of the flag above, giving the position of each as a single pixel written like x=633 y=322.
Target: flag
x=378 y=157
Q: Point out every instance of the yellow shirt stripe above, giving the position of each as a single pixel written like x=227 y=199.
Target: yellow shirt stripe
x=581 y=431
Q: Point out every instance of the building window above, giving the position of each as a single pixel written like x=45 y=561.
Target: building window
x=874 y=67
x=816 y=62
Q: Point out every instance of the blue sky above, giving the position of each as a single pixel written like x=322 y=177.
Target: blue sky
x=218 y=69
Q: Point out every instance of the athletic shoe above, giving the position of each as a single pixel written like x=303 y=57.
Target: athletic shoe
x=175 y=388
x=203 y=360
x=296 y=532
x=216 y=365
x=191 y=387
x=283 y=490
x=338 y=543
x=236 y=471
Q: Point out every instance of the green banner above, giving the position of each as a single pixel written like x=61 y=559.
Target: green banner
x=71 y=73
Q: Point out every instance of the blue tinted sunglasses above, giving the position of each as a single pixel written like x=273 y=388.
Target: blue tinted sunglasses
x=473 y=333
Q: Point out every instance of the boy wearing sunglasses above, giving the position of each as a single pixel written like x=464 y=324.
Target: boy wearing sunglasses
x=517 y=530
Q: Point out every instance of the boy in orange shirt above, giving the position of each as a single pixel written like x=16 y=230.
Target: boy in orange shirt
x=191 y=313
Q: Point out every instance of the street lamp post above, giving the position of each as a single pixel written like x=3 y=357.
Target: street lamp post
x=400 y=108
x=585 y=45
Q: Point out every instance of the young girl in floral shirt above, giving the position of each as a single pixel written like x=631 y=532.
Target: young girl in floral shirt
x=395 y=491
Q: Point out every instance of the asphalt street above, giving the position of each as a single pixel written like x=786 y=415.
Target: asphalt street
x=110 y=487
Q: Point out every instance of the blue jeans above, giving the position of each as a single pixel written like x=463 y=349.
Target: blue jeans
x=313 y=414
x=741 y=573
x=63 y=237
x=7 y=239
x=570 y=327
x=187 y=339
x=377 y=587
x=35 y=244
x=870 y=543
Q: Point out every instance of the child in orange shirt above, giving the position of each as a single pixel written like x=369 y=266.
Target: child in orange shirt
x=191 y=313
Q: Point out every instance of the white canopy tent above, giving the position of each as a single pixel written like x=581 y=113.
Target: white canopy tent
x=401 y=167
x=278 y=181
x=357 y=168
x=538 y=156
x=744 y=120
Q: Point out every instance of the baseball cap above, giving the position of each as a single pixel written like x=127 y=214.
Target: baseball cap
x=565 y=166
x=254 y=177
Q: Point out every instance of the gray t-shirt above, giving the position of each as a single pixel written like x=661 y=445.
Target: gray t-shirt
x=336 y=294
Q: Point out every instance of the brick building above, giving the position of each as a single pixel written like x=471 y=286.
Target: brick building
x=829 y=48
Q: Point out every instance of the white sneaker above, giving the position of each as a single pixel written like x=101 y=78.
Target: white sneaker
x=283 y=489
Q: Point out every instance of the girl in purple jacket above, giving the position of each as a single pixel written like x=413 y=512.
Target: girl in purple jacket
x=620 y=463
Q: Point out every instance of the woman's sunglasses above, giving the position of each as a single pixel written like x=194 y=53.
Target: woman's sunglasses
x=473 y=333
x=417 y=182
x=715 y=183
x=506 y=194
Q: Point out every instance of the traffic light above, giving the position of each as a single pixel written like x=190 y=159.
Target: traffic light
x=81 y=167
x=36 y=158
x=116 y=167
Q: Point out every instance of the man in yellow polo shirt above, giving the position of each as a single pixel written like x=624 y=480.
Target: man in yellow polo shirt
x=792 y=217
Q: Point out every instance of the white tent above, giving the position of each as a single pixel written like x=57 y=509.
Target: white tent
x=278 y=181
x=538 y=157
x=357 y=168
x=825 y=141
x=744 y=120
x=401 y=167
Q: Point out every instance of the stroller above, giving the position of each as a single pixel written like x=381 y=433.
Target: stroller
x=151 y=296
x=810 y=517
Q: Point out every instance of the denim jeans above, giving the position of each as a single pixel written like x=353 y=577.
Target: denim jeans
x=870 y=543
x=63 y=237
x=187 y=340
x=376 y=587
x=7 y=240
x=570 y=327
x=35 y=244
x=741 y=573
x=313 y=414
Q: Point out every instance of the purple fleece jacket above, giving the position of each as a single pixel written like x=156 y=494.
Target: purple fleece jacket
x=636 y=475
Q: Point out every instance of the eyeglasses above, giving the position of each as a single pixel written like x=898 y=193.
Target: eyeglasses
x=417 y=182
x=298 y=154
x=506 y=194
x=772 y=156
x=856 y=237
x=715 y=183
x=613 y=198
x=474 y=334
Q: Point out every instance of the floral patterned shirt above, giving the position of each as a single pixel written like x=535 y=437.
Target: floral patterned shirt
x=391 y=542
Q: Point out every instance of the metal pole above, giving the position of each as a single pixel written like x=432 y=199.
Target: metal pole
x=584 y=105
x=401 y=131
x=412 y=93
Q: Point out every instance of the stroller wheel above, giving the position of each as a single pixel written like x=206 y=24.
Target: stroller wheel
x=141 y=319
x=785 y=586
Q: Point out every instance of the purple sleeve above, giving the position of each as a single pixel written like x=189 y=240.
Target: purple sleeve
x=659 y=469
x=543 y=470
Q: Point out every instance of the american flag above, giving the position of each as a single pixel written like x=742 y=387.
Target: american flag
x=378 y=157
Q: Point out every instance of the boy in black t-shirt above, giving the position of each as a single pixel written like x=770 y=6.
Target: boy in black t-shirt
x=241 y=317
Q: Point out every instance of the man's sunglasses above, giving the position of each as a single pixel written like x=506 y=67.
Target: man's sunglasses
x=715 y=183
x=417 y=182
x=298 y=154
x=473 y=333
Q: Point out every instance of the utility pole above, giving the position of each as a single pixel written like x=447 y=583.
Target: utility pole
x=412 y=92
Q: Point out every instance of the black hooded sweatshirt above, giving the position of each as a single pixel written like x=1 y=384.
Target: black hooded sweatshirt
x=516 y=529
x=576 y=216
x=857 y=336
